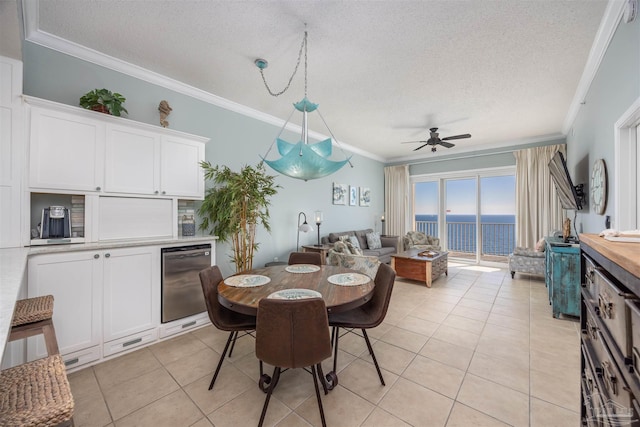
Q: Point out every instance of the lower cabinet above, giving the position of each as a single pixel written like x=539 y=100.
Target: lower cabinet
x=563 y=276
x=109 y=296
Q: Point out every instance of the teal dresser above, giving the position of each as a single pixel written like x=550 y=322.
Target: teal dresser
x=563 y=276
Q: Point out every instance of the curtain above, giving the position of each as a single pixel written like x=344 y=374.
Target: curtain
x=397 y=191
x=538 y=209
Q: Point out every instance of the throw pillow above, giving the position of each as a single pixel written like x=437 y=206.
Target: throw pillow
x=353 y=249
x=373 y=240
x=355 y=242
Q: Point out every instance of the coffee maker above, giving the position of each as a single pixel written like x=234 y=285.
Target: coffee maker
x=55 y=223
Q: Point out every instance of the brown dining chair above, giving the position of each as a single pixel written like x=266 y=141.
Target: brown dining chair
x=366 y=316
x=221 y=317
x=314 y=258
x=292 y=334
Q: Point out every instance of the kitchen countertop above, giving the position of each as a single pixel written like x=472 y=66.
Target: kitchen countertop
x=13 y=269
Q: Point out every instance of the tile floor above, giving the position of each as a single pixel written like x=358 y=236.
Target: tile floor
x=476 y=349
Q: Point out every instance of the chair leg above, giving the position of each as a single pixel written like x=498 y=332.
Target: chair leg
x=315 y=384
x=336 y=333
x=224 y=352
x=276 y=376
x=373 y=356
x=233 y=344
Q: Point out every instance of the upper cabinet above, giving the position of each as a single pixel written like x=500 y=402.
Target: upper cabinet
x=79 y=150
x=66 y=151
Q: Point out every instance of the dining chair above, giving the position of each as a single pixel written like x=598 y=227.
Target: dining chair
x=314 y=258
x=221 y=317
x=366 y=316
x=292 y=334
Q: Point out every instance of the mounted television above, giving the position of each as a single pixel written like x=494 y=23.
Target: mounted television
x=571 y=197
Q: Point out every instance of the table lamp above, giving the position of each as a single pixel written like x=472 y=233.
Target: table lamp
x=304 y=227
x=318 y=216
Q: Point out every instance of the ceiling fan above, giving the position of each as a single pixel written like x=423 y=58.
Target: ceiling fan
x=435 y=140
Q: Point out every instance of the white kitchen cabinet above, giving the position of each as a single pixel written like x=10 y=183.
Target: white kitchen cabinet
x=66 y=151
x=11 y=154
x=131 y=285
x=75 y=281
x=109 y=296
x=132 y=161
x=181 y=174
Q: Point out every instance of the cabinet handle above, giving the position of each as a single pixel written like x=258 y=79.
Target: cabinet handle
x=132 y=342
x=98 y=188
x=186 y=325
x=107 y=255
x=71 y=361
x=96 y=256
x=164 y=192
x=156 y=192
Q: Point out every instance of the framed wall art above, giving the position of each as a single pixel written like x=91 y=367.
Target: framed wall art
x=339 y=194
x=365 y=196
x=353 y=195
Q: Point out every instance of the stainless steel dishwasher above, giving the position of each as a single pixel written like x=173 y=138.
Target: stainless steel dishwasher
x=181 y=290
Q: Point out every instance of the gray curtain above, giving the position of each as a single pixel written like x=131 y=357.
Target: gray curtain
x=397 y=191
x=538 y=209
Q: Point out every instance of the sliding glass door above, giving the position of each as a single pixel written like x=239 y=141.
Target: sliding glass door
x=473 y=214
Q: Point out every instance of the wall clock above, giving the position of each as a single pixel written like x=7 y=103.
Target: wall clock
x=599 y=187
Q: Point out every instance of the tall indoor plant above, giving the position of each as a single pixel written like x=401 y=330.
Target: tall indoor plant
x=236 y=203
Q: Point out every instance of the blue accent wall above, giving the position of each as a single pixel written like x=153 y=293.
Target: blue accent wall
x=236 y=140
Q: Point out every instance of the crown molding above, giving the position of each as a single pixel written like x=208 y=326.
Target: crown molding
x=34 y=35
x=608 y=25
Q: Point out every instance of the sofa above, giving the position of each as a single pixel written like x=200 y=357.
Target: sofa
x=389 y=244
x=419 y=240
x=528 y=261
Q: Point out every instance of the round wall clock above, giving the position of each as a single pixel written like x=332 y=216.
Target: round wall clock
x=599 y=187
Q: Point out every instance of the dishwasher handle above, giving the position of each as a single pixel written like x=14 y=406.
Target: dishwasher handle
x=189 y=254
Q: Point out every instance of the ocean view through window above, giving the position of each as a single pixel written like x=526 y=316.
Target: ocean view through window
x=478 y=213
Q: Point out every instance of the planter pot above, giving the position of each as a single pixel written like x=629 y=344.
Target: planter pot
x=101 y=109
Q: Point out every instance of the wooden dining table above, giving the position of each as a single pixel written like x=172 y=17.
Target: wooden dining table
x=337 y=298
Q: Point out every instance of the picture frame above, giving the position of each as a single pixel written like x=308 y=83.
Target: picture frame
x=353 y=195
x=365 y=196
x=339 y=194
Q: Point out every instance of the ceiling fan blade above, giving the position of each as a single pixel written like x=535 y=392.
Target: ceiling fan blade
x=447 y=144
x=424 y=145
x=413 y=142
x=466 y=135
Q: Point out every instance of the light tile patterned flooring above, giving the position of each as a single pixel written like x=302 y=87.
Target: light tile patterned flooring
x=476 y=349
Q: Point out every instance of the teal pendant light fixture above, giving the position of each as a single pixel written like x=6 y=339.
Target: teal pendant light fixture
x=302 y=160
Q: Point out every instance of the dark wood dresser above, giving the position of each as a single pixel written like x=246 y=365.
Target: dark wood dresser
x=610 y=323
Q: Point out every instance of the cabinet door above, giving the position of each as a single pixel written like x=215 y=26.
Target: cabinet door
x=75 y=281
x=66 y=151
x=132 y=161
x=180 y=171
x=131 y=289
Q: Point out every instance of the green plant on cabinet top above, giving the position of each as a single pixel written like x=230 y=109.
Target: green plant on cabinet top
x=104 y=101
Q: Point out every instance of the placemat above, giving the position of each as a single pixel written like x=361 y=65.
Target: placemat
x=295 y=294
x=246 y=280
x=302 y=268
x=348 y=279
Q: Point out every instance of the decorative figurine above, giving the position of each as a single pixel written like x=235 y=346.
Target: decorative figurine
x=165 y=110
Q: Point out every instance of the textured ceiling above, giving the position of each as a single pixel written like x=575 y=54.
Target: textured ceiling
x=505 y=71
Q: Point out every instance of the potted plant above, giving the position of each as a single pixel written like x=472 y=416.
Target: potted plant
x=104 y=101
x=236 y=203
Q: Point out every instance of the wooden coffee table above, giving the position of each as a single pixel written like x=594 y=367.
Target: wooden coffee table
x=425 y=269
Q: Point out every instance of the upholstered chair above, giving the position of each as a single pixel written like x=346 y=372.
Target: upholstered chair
x=342 y=257
x=419 y=240
x=314 y=258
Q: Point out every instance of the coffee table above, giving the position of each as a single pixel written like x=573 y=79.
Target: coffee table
x=423 y=268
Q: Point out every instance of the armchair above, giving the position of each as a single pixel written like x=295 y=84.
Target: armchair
x=419 y=240
x=342 y=257
x=529 y=261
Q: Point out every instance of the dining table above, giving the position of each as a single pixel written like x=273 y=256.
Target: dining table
x=341 y=288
